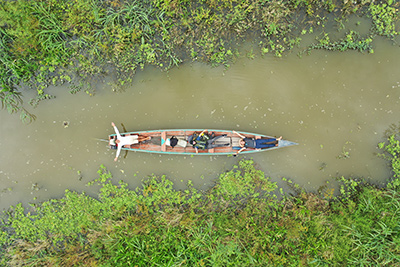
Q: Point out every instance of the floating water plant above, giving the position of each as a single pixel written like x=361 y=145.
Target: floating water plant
x=345 y=151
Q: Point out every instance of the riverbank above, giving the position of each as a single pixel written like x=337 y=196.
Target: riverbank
x=75 y=42
x=242 y=220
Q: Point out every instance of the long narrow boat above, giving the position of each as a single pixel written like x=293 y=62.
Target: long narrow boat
x=160 y=142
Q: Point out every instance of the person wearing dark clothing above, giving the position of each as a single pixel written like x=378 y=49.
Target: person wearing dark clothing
x=203 y=141
x=256 y=143
x=259 y=143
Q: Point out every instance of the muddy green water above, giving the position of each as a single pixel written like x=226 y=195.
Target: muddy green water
x=326 y=102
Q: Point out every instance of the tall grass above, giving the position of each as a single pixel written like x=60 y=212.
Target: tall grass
x=50 y=34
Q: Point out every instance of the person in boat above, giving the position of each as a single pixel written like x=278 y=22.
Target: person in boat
x=121 y=141
x=205 y=141
x=258 y=144
x=174 y=141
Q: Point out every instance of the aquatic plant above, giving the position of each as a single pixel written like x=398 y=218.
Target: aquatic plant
x=384 y=17
x=391 y=153
x=239 y=221
x=351 y=41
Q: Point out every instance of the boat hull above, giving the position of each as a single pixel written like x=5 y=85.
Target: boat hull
x=159 y=142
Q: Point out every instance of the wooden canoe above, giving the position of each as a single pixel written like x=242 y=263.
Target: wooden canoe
x=159 y=142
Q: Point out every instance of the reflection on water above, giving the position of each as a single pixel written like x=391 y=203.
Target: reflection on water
x=335 y=105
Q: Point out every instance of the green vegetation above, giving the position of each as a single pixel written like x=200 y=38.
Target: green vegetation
x=384 y=17
x=74 y=41
x=392 y=153
x=352 y=41
x=241 y=221
x=238 y=222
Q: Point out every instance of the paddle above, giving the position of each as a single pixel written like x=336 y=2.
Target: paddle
x=103 y=140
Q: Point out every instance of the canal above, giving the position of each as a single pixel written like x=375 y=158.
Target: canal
x=337 y=106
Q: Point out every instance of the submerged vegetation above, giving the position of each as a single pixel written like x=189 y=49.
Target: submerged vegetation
x=73 y=41
x=240 y=221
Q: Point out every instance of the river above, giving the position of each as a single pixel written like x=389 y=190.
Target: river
x=337 y=106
